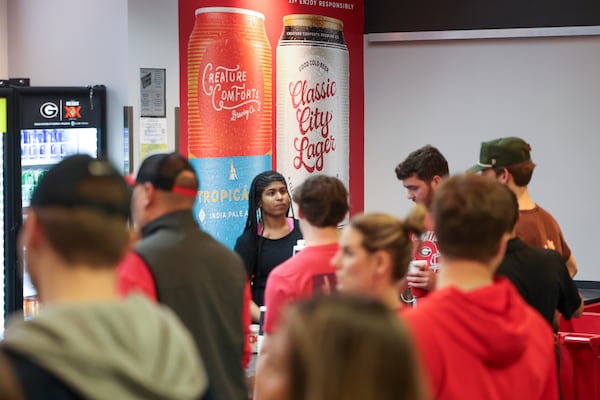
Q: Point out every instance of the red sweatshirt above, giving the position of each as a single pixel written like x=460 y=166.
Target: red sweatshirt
x=486 y=343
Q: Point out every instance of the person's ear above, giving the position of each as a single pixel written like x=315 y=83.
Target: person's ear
x=504 y=176
x=31 y=242
x=436 y=181
x=382 y=262
x=30 y=233
x=149 y=194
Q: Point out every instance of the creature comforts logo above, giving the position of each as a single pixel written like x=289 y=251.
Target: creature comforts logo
x=230 y=89
x=311 y=102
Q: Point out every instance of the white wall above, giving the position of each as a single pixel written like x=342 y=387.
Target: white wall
x=153 y=43
x=3 y=40
x=455 y=94
x=73 y=43
x=452 y=94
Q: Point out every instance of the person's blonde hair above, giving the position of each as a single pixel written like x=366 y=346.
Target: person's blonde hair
x=349 y=347
x=386 y=232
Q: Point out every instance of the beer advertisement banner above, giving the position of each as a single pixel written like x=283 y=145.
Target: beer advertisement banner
x=269 y=84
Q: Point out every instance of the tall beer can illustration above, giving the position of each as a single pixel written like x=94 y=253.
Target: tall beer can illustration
x=229 y=84
x=312 y=98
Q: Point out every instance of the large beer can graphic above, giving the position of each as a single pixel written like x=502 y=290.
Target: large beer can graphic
x=229 y=84
x=312 y=99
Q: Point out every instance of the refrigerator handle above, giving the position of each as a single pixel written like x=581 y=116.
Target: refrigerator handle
x=91 y=90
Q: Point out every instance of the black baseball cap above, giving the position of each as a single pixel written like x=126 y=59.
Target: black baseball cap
x=68 y=183
x=163 y=170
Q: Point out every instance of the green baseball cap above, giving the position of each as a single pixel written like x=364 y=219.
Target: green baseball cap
x=502 y=153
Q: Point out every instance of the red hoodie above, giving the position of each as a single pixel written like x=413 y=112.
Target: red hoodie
x=484 y=344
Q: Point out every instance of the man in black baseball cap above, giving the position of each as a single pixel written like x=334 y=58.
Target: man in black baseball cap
x=183 y=267
x=168 y=172
x=73 y=183
x=75 y=233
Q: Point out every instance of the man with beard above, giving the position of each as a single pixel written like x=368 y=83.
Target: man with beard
x=421 y=173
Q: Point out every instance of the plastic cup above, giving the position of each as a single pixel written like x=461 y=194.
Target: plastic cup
x=414 y=266
x=253 y=337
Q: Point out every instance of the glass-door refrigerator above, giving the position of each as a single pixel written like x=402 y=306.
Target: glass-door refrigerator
x=50 y=123
x=8 y=212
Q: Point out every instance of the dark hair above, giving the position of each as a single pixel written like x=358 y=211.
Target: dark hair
x=426 y=163
x=80 y=234
x=386 y=232
x=257 y=187
x=323 y=200
x=349 y=347
x=471 y=214
x=521 y=172
x=165 y=172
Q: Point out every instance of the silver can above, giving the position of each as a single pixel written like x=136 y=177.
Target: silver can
x=312 y=99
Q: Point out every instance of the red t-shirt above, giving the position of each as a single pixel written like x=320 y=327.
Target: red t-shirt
x=307 y=273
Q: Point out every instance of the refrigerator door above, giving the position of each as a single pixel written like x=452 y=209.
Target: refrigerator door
x=12 y=283
x=4 y=133
x=54 y=123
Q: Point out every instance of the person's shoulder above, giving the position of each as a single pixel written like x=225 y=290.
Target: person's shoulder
x=245 y=237
x=546 y=258
x=296 y=229
x=22 y=378
x=539 y=210
x=159 y=316
x=427 y=308
x=548 y=254
x=314 y=257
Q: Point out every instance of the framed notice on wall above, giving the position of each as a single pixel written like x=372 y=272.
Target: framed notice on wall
x=152 y=92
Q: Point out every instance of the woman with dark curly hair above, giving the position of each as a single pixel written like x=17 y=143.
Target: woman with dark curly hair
x=270 y=232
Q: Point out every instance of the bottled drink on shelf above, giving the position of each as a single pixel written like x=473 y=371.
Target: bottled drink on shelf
x=30 y=306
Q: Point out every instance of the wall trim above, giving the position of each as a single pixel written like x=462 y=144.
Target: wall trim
x=484 y=34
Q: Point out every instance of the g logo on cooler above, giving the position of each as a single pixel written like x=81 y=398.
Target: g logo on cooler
x=49 y=110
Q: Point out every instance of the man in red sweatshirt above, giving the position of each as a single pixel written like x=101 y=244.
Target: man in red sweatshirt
x=477 y=337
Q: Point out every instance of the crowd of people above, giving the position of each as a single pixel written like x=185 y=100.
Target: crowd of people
x=166 y=315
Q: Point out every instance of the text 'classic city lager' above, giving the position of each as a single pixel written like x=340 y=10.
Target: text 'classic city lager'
x=312 y=98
